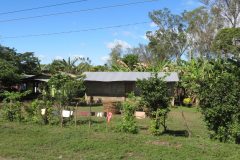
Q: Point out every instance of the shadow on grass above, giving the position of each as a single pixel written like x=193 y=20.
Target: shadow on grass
x=176 y=133
x=143 y=128
x=82 y=122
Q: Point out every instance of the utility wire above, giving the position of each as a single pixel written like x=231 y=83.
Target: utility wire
x=75 y=31
x=83 y=10
x=42 y=7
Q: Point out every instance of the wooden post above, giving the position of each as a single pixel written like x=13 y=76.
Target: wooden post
x=75 y=117
x=61 y=110
x=90 y=109
x=107 y=121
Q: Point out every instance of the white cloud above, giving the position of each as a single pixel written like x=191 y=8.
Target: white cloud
x=58 y=58
x=116 y=42
x=105 y=58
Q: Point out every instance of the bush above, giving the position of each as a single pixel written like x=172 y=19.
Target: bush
x=158 y=121
x=154 y=95
x=220 y=102
x=128 y=123
x=53 y=116
x=12 y=111
x=12 y=107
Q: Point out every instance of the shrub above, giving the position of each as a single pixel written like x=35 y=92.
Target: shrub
x=128 y=123
x=220 y=102
x=158 y=121
x=53 y=115
x=34 y=111
x=12 y=111
x=12 y=108
x=154 y=95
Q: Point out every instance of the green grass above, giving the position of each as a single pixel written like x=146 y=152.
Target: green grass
x=29 y=141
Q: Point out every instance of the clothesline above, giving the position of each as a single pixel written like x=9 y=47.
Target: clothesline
x=68 y=113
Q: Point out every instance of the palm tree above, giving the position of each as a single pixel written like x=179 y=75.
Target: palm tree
x=70 y=65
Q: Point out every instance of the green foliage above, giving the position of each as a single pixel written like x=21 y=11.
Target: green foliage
x=191 y=74
x=34 y=112
x=14 y=64
x=170 y=40
x=100 y=68
x=9 y=73
x=66 y=87
x=53 y=116
x=227 y=10
x=220 y=102
x=115 y=55
x=154 y=94
x=227 y=41
x=12 y=107
x=159 y=120
x=29 y=64
x=12 y=111
x=202 y=26
x=14 y=96
x=128 y=123
x=130 y=60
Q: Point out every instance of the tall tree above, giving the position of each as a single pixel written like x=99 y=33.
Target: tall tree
x=115 y=54
x=70 y=64
x=55 y=67
x=229 y=10
x=145 y=54
x=14 y=64
x=29 y=63
x=84 y=64
x=170 y=40
x=76 y=65
x=9 y=73
x=202 y=28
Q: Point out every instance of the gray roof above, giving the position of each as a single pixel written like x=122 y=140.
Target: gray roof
x=127 y=76
x=27 y=76
x=42 y=80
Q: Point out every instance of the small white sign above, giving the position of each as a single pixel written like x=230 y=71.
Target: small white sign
x=43 y=111
x=66 y=113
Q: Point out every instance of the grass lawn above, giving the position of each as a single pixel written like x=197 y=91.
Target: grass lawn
x=30 y=141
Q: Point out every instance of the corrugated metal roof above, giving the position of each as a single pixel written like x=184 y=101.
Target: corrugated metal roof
x=127 y=76
x=42 y=80
x=27 y=76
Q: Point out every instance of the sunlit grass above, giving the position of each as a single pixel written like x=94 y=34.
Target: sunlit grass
x=31 y=141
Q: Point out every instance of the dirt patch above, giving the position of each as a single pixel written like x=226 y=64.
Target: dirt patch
x=1 y=158
x=166 y=143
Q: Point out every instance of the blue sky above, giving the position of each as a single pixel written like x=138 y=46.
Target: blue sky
x=93 y=44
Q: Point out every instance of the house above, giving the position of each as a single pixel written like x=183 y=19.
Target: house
x=114 y=86
x=33 y=82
